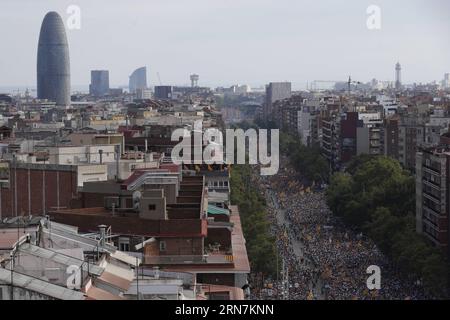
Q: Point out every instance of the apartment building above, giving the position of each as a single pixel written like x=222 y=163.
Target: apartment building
x=330 y=141
x=391 y=136
x=370 y=134
x=299 y=117
x=432 y=194
x=167 y=217
x=44 y=260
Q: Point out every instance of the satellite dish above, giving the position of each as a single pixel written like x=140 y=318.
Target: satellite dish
x=136 y=199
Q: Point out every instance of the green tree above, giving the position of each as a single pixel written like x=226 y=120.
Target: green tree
x=308 y=161
x=259 y=242
x=377 y=196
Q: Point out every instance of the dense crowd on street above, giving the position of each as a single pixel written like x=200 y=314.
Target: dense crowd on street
x=332 y=261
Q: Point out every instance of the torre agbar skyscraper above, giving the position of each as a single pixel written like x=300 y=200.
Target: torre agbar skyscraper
x=53 y=65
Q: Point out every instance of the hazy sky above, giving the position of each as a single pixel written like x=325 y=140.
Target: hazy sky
x=234 y=41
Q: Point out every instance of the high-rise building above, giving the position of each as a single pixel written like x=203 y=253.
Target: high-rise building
x=143 y=94
x=241 y=89
x=115 y=92
x=138 y=80
x=446 y=83
x=163 y=92
x=391 y=141
x=370 y=134
x=99 y=83
x=348 y=136
x=411 y=134
x=276 y=91
x=53 y=64
x=398 y=76
x=432 y=176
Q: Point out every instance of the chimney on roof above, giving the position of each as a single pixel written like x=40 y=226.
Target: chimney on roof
x=156 y=269
x=102 y=228
x=117 y=150
x=148 y=157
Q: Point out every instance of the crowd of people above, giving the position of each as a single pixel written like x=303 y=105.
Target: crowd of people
x=325 y=260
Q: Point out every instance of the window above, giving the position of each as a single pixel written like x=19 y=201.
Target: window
x=162 y=246
x=225 y=183
x=151 y=207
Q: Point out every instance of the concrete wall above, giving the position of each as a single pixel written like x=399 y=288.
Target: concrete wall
x=82 y=139
x=90 y=173
x=152 y=205
x=362 y=141
x=84 y=154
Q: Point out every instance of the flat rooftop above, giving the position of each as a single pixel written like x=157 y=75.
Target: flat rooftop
x=88 y=220
x=240 y=263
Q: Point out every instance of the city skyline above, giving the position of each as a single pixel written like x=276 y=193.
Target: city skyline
x=177 y=42
x=226 y=150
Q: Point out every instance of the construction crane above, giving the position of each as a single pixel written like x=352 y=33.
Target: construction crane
x=315 y=82
x=159 y=79
x=350 y=82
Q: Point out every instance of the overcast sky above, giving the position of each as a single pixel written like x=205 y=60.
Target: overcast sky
x=234 y=41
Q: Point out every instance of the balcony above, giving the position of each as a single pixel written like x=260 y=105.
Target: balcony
x=431 y=238
x=431 y=183
x=432 y=210
x=431 y=197
x=432 y=170
x=190 y=259
x=429 y=226
x=326 y=148
x=429 y=193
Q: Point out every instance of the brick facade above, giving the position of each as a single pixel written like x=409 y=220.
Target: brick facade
x=39 y=188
